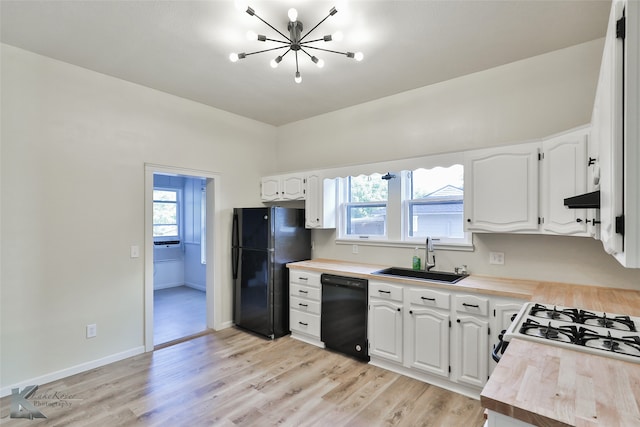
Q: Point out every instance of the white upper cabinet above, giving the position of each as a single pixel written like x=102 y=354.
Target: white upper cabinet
x=283 y=187
x=564 y=174
x=501 y=189
x=320 y=202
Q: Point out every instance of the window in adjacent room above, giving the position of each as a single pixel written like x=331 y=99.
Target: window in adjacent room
x=166 y=208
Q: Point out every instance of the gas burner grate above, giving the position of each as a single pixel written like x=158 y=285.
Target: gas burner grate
x=623 y=323
x=627 y=345
x=565 y=333
x=542 y=311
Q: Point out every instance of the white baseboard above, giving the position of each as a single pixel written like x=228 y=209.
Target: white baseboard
x=196 y=286
x=63 y=373
x=166 y=285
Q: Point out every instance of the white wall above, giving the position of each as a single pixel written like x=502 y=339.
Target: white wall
x=74 y=146
x=516 y=102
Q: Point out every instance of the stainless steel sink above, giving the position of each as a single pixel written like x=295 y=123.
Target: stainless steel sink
x=430 y=276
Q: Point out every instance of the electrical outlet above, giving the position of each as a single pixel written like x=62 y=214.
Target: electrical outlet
x=496 y=258
x=354 y=249
x=92 y=330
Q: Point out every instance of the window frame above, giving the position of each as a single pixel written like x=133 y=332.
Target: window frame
x=397 y=224
x=177 y=239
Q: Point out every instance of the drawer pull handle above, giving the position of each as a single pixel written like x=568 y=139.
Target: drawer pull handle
x=428 y=299
x=302 y=292
x=303 y=305
x=471 y=305
x=384 y=292
x=304 y=324
x=303 y=278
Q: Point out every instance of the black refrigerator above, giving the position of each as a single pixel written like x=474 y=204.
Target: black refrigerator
x=263 y=241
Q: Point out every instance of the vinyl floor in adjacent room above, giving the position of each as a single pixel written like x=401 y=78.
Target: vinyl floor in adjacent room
x=233 y=378
x=178 y=312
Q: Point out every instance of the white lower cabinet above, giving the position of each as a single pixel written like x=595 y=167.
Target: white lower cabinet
x=385 y=321
x=435 y=335
x=428 y=341
x=304 y=306
x=428 y=323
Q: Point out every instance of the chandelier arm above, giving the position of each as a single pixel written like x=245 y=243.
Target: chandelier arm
x=327 y=50
x=312 y=41
x=266 y=50
x=308 y=54
x=297 y=71
x=279 y=41
x=273 y=28
x=317 y=25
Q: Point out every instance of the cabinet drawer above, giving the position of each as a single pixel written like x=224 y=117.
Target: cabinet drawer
x=385 y=291
x=472 y=305
x=305 y=305
x=296 y=290
x=429 y=298
x=304 y=322
x=303 y=277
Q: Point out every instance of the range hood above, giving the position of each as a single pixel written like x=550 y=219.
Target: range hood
x=584 y=201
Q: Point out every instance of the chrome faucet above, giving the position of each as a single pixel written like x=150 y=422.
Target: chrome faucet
x=428 y=249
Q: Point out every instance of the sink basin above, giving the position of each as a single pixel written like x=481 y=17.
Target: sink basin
x=431 y=276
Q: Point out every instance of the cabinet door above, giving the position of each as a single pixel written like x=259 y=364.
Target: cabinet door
x=428 y=341
x=501 y=189
x=270 y=188
x=472 y=350
x=564 y=174
x=503 y=312
x=320 y=202
x=292 y=187
x=385 y=330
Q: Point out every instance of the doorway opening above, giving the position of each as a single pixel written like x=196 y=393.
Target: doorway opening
x=179 y=261
x=179 y=257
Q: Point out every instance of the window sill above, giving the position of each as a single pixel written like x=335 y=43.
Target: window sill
x=464 y=247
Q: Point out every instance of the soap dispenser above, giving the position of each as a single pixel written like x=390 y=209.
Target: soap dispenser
x=416 y=260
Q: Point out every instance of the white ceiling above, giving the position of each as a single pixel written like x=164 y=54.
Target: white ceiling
x=182 y=47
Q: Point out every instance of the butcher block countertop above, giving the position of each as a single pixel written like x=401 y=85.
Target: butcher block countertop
x=542 y=384
x=522 y=289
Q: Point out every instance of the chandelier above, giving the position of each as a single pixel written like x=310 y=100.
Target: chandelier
x=295 y=42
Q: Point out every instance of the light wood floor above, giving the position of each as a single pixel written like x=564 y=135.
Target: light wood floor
x=232 y=378
x=178 y=312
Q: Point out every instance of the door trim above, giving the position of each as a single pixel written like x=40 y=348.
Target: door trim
x=214 y=250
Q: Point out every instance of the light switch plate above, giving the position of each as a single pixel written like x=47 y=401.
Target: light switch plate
x=135 y=251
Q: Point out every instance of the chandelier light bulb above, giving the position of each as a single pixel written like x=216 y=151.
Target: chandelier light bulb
x=320 y=63
x=359 y=56
x=337 y=36
x=274 y=62
x=293 y=15
x=233 y=57
x=298 y=78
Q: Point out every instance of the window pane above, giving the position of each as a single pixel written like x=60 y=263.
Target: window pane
x=165 y=196
x=165 y=213
x=165 y=230
x=427 y=182
x=436 y=208
x=370 y=188
x=369 y=219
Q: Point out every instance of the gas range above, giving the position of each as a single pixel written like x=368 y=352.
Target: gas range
x=604 y=334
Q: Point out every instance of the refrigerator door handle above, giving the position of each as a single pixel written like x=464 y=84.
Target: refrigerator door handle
x=235 y=251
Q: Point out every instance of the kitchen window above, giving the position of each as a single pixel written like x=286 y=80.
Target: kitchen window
x=434 y=205
x=166 y=217
x=404 y=207
x=366 y=206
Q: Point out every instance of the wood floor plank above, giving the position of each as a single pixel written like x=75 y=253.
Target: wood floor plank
x=232 y=378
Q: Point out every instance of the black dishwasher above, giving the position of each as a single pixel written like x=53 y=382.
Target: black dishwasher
x=343 y=324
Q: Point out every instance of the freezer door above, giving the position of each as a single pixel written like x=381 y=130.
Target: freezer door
x=253 y=299
x=252 y=228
